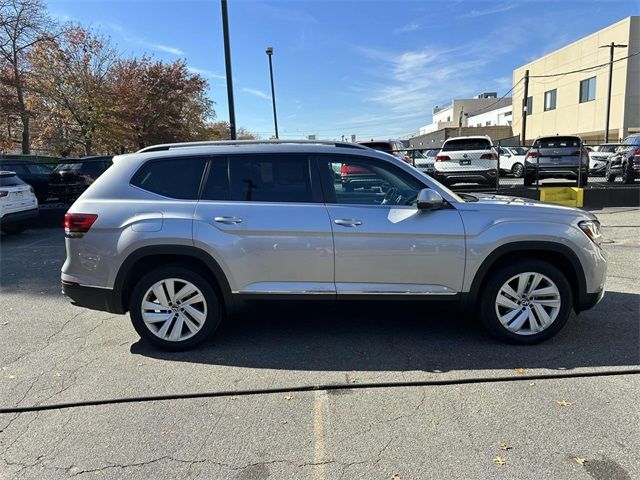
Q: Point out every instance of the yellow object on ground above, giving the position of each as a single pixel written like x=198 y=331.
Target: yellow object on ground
x=569 y=196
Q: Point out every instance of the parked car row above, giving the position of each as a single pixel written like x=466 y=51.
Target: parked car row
x=65 y=182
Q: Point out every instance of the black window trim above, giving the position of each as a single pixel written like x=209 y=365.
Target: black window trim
x=317 y=196
x=207 y=158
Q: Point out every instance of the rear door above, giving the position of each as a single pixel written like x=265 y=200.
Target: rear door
x=262 y=218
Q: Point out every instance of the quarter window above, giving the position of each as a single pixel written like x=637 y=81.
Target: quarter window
x=588 y=90
x=174 y=178
x=270 y=178
x=550 y=100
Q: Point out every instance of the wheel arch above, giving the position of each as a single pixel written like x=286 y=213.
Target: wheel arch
x=142 y=260
x=557 y=254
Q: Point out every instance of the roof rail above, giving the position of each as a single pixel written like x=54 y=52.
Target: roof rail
x=170 y=146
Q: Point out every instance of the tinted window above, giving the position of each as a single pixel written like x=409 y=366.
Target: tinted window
x=466 y=144
x=270 y=178
x=92 y=168
x=217 y=184
x=173 y=178
x=10 y=181
x=635 y=140
x=19 y=168
x=364 y=181
x=37 y=169
x=382 y=146
x=556 y=142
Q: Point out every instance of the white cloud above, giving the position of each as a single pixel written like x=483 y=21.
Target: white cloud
x=490 y=11
x=257 y=93
x=143 y=42
x=206 y=73
x=164 y=48
x=409 y=27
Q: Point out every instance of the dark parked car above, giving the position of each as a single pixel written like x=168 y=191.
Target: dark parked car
x=626 y=161
x=393 y=147
x=557 y=157
x=34 y=174
x=69 y=179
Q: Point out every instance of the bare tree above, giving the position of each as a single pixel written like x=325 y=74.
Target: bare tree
x=23 y=24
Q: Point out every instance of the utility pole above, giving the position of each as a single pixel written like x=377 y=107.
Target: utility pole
x=611 y=47
x=460 y=121
x=269 y=53
x=523 y=135
x=227 y=62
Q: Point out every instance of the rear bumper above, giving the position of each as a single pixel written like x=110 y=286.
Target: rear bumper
x=91 y=297
x=481 y=176
x=19 y=217
x=555 y=171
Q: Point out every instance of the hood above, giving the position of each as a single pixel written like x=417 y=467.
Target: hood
x=522 y=206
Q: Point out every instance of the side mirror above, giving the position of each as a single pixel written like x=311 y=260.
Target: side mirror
x=429 y=200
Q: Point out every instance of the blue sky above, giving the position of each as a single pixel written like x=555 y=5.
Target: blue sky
x=373 y=68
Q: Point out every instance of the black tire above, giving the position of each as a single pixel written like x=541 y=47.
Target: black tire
x=213 y=303
x=497 y=278
x=609 y=176
x=584 y=180
x=517 y=170
x=13 y=229
x=529 y=180
x=493 y=184
x=627 y=174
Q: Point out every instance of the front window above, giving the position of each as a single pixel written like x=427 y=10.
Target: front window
x=365 y=181
x=588 y=90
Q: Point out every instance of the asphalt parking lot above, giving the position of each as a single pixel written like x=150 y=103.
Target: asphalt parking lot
x=581 y=427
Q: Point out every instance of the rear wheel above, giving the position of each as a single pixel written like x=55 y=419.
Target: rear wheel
x=609 y=176
x=529 y=180
x=174 y=308
x=517 y=170
x=526 y=302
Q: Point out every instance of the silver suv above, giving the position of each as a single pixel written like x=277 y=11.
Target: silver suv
x=179 y=235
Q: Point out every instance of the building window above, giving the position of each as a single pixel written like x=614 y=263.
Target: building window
x=488 y=123
x=448 y=118
x=550 y=100
x=588 y=90
x=529 y=106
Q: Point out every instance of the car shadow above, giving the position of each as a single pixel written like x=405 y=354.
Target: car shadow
x=408 y=337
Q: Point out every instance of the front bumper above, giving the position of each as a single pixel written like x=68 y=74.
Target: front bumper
x=19 y=217
x=93 y=298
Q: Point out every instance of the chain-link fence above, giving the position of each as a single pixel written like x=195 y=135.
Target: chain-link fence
x=556 y=161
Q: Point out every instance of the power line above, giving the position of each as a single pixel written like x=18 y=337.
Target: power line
x=497 y=101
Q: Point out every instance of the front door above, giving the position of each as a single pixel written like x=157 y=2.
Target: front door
x=383 y=244
x=262 y=218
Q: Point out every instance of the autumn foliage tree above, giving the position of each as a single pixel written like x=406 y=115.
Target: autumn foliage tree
x=72 y=82
x=159 y=102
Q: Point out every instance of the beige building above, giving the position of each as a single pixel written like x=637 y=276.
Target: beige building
x=576 y=103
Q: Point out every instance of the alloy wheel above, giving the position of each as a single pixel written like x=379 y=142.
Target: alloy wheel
x=174 y=309
x=528 y=303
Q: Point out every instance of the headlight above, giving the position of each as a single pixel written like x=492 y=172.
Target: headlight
x=591 y=229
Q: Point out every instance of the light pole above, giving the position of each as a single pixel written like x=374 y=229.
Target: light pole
x=227 y=61
x=611 y=47
x=269 y=53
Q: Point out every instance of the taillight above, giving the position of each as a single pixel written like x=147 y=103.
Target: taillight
x=489 y=156
x=576 y=153
x=442 y=158
x=531 y=154
x=77 y=224
x=343 y=169
x=3 y=193
x=636 y=153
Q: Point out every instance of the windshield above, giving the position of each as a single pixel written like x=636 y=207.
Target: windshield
x=558 y=142
x=466 y=144
x=10 y=180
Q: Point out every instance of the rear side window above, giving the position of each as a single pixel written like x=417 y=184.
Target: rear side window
x=174 y=177
x=10 y=181
x=19 y=168
x=37 y=169
x=466 y=144
x=270 y=178
x=558 y=142
x=217 y=185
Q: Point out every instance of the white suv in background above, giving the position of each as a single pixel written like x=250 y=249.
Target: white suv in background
x=512 y=160
x=467 y=160
x=18 y=203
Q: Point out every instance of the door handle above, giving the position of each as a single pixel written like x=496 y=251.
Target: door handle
x=348 y=222
x=228 y=220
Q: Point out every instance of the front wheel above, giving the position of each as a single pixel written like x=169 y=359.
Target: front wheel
x=174 y=308
x=609 y=176
x=627 y=175
x=526 y=302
